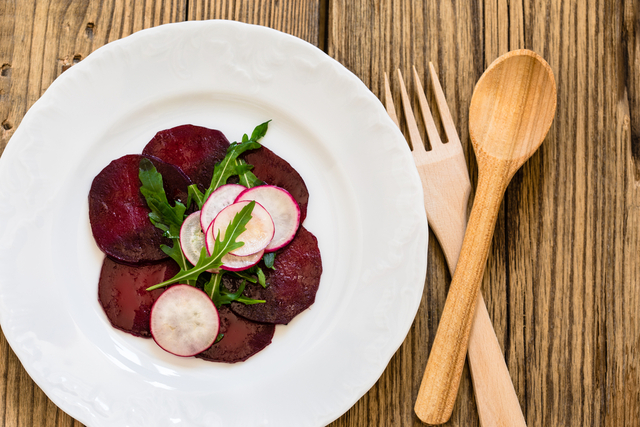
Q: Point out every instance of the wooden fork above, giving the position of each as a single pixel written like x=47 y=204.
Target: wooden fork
x=446 y=186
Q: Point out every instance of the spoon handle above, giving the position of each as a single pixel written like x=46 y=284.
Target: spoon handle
x=496 y=398
x=441 y=379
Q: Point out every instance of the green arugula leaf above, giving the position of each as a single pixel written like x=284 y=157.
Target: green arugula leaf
x=253 y=275
x=212 y=287
x=261 y=278
x=169 y=219
x=247 y=178
x=245 y=274
x=164 y=216
x=260 y=131
x=269 y=259
x=220 y=295
x=221 y=247
x=237 y=296
x=151 y=180
x=227 y=167
x=195 y=195
x=176 y=254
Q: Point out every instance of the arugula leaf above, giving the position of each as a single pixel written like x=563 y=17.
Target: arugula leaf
x=176 y=254
x=247 y=178
x=227 y=167
x=237 y=296
x=260 y=131
x=220 y=295
x=212 y=286
x=248 y=275
x=261 y=278
x=244 y=275
x=269 y=259
x=195 y=195
x=164 y=216
x=221 y=247
x=167 y=218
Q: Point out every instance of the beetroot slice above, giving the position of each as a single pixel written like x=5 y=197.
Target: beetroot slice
x=242 y=338
x=119 y=214
x=292 y=286
x=123 y=296
x=274 y=170
x=194 y=149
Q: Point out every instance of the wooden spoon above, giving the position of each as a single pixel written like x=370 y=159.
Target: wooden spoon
x=511 y=111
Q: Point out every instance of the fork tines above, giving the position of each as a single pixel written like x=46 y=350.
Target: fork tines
x=412 y=127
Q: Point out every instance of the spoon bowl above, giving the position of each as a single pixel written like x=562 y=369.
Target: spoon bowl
x=512 y=108
x=511 y=111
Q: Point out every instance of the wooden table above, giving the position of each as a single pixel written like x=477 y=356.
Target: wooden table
x=563 y=278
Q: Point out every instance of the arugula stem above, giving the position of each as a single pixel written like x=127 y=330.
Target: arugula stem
x=213 y=286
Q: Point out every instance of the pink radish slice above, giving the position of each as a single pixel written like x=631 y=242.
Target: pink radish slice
x=259 y=230
x=184 y=321
x=238 y=263
x=232 y=262
x=192 y=238
x=282 y=207
x=222 y=197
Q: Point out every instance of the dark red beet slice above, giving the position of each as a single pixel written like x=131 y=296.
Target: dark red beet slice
x=242 y=338
x=123 y=296
x=274 y=170
x=292 y=286
x=194 y=149
x=119 y=214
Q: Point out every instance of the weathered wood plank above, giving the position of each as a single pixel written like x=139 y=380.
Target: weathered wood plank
x=568 y=213
x=39 y=40
x=299 y=18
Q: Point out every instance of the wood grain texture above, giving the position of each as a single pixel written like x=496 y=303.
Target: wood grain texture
x=300 y=18
x=39 y=40
x=562 y=283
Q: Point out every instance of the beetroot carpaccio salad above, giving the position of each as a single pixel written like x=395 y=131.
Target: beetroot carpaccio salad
x=205 y=251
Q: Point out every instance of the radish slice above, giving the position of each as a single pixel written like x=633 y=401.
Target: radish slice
x=192 y=238
x=222 y=197
x=238 y=263
x=184 y=321
x=259 y=230
x=282 y=207
x=232 y=262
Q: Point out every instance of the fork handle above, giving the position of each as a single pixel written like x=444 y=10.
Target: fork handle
x=439 y=387
x=496 y=398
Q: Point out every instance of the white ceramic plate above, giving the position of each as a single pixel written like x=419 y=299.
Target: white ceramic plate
x=366 y=209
